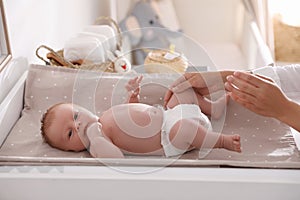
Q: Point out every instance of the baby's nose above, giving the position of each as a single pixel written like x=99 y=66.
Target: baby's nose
x=77 y=124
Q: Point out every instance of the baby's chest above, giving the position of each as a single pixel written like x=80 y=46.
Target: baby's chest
x=134 y=119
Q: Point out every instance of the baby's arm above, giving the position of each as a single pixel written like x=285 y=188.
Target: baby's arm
x=101 y=147
x=133 y=88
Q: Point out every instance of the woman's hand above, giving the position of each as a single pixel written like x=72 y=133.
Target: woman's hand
x=257 y=93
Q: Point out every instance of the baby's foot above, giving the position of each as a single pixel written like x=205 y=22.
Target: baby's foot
x=232 y=143
x=219 y=106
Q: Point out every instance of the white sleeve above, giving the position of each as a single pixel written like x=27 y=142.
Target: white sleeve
x=269 y=72
x=287 y=77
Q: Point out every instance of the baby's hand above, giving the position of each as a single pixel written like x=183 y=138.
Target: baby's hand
x=94 y=130
x=133 y=87
x=101 y=146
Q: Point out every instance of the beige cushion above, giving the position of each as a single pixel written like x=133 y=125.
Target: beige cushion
x=265 y=141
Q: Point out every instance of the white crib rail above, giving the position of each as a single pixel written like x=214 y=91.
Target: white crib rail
x=11 y=107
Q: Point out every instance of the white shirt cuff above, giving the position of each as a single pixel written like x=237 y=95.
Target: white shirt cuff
x=268 y=72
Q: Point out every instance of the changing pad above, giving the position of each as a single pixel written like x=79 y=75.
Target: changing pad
x=265 y=142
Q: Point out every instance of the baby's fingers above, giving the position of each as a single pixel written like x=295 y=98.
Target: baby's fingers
x=128 y=87
x=139 y=79
x=133 y=80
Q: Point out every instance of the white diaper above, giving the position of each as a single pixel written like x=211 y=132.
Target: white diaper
x=171 y=116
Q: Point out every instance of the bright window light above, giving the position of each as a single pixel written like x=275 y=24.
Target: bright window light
x=288 y=9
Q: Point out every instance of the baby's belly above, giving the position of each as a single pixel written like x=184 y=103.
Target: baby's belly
x=138 y=120
x=136 y=127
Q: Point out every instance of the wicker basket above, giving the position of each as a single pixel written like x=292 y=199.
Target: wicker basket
x=156 y=62
x=56 y=58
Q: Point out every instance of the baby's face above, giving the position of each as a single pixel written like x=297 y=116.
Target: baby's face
x=68 y=128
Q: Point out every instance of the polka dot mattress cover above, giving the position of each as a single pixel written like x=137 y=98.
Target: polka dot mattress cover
x=266 y=142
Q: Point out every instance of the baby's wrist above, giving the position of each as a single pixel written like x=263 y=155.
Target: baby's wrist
x=133 y=93
x=93 y=129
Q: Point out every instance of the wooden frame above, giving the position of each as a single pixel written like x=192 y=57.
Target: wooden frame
x=5 y=51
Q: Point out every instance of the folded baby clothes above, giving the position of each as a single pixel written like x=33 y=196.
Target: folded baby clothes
x=84 y=49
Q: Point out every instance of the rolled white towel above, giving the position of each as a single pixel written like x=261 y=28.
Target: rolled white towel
x=102 y=38
x=106 y=31
x=85 y=49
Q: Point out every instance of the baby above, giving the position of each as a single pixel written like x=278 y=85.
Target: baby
x=135 y=128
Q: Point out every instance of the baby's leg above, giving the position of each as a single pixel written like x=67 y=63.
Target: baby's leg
x=188 y=133
x=215 y=109
x=229 y=142
x=186 y=97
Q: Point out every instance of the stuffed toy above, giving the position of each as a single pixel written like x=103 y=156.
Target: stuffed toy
x=121 y=64
x=145 y=31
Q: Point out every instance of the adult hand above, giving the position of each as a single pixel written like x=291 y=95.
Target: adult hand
x=257 y=93
x=203 y=83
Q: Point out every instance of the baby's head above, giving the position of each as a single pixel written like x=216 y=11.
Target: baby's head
x=64 y=126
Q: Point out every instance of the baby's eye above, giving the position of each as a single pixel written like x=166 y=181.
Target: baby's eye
x=70 y=133
x=75 y=115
